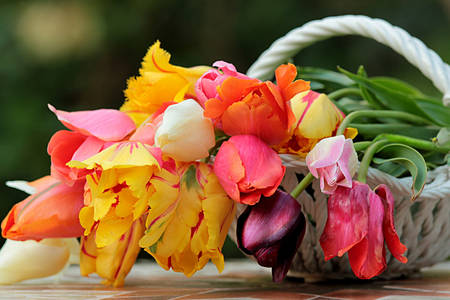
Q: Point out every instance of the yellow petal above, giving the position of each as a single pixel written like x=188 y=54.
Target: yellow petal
x=86 y=217
x=119 y=155
x=110 y=229
x=114 y=261
x=320 y=120
x=188 y=230
x=125 y=203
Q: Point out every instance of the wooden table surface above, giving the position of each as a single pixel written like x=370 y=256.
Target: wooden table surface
x=241 y=279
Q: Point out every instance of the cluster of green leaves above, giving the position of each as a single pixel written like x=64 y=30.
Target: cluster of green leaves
x=413 y=127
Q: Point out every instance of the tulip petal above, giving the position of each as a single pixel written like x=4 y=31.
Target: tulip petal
x=30 y=259
x=272 y=230
x=52 y=212
x=285 y=75
x=288 y=249
x=33 y=186
x=105 y=124
x=267 y=222
x=348 y=163
x=229 y=168
x=88 y=148
x=326 y=152
x=189 y=227
x=174 y=135
x=263 y=168
x=61 y=149
x=367 y=258
x=247 y=168
x=122 y=155
x=390 y=234
x=114 y=261
x=347 y=221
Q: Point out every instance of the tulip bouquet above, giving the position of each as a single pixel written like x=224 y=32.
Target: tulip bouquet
x=167 y=171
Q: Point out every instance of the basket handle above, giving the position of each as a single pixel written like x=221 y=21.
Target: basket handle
x=415 y=51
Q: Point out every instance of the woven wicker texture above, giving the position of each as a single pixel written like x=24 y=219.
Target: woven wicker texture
x=423 y=226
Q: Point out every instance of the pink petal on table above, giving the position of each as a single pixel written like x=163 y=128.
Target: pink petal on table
x=105 y=124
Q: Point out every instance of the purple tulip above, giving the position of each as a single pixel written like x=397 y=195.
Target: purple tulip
x=271 y=231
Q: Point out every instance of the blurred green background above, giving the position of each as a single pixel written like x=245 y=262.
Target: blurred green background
x=78 y=55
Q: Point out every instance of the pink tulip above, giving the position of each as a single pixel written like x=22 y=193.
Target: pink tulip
x=272 y=230
x=91 y=132
x=206 y=85
x=334 y=161
x=359 y=221
x=247 y=168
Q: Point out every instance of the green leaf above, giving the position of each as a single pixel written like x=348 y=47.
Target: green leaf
x=347 y=105
x=190 y=177
x=315 y=85
x=391 y=168
x=438 y=112
x=367 y=95
x=322 y=75
x=391 y=98
x=398 y=85
x=408 y=158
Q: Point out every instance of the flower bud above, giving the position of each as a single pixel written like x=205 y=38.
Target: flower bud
x=185 y=134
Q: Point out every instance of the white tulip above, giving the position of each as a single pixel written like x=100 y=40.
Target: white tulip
x=30 y=259
x=185 y=134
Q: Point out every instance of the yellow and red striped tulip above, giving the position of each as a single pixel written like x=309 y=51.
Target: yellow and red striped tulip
x=316 y=118
x=159 y=82
x=189 y=218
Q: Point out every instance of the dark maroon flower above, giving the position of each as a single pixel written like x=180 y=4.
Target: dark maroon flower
x=271 y=231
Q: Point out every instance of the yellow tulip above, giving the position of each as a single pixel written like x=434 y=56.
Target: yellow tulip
x=189 y=218
x=116 y=198
x=316 y=117
x=112 y=262
x=159 y=82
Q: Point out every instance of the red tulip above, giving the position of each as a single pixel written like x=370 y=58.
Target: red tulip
x=247 y=168
x=359 y=221
x=271 y=231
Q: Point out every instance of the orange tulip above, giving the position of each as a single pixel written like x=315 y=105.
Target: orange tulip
x=52 y=212
x=247 y=106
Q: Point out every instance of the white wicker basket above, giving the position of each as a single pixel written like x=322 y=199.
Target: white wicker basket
x=423 y=226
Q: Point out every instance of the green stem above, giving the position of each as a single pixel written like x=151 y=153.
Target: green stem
x=381 y=113
x=344 y=92
x=302 y=185
x=361 y=146
x=413 y=142
x=367 y=159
